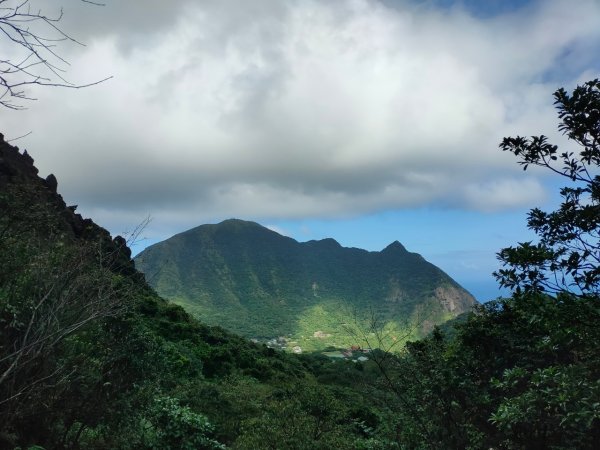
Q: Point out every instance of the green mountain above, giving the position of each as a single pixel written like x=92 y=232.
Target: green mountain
x=258 y=283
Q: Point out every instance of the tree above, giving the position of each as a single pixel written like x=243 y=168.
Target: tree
x=173 y=426
x=567 y=256
x=33 y=59
x=524 y=371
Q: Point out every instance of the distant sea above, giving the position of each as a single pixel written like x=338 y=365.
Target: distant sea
x=484 y=290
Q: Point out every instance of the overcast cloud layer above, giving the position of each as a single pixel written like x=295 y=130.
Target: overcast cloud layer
x=271 y=109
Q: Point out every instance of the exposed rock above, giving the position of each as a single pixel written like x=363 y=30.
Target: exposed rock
x=121 y=244
x=15 y=164
x=52 y=183
x=17 y=173
x=452 y=299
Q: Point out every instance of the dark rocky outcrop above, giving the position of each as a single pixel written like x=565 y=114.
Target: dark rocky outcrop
x=52 y=182
x=19 y=176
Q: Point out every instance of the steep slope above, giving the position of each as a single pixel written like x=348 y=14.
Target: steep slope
x=91 y=357
x=249 y=279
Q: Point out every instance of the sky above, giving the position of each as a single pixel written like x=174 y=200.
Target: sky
x=368 y=121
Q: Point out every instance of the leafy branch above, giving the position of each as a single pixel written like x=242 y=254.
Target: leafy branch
x=568 y=255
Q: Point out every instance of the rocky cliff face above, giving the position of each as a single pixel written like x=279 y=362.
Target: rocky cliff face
x=19 y=180
x=452 y=299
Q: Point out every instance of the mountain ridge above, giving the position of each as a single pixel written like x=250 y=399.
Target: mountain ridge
x=259 y=283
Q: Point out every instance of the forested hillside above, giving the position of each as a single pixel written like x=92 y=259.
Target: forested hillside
x=255 y=282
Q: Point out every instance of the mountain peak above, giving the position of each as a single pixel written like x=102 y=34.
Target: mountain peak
x=395 y=247
x=239 y=223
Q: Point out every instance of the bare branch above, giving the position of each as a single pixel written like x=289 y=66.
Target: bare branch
x=19 y=137
x=34 y=36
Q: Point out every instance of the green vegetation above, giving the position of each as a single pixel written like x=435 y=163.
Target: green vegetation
x=91 y=357
x=260 y=284
x=522 y=372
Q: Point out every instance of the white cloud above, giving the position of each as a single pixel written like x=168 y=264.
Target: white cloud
x=296 y=109
x=503 y=193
